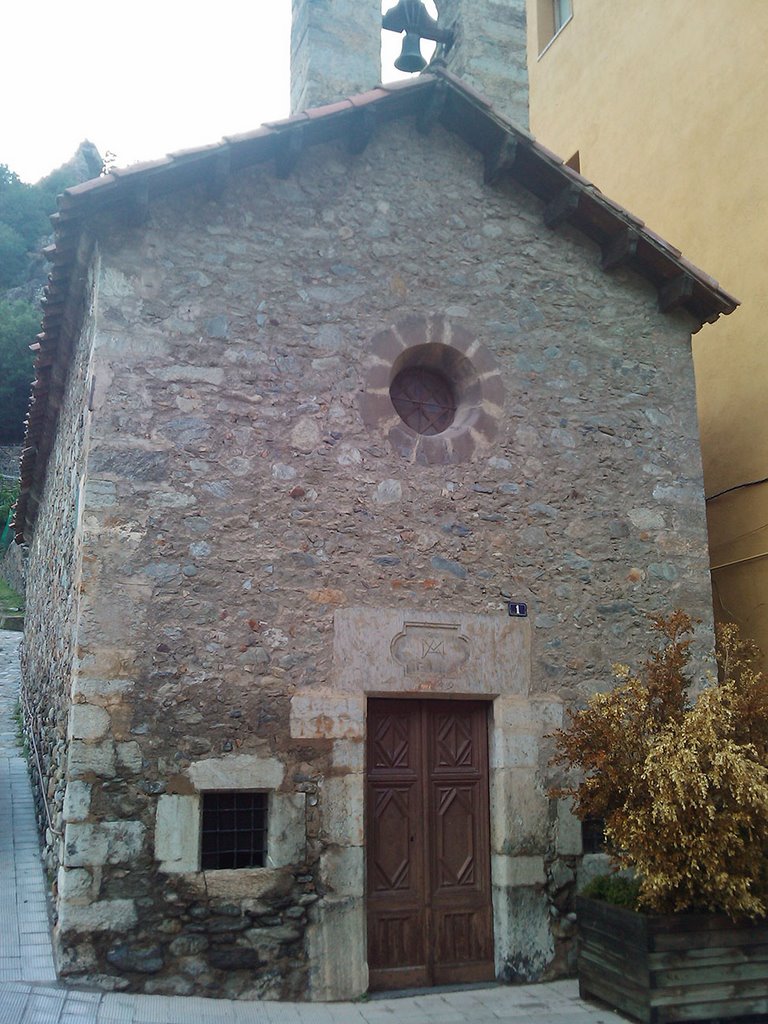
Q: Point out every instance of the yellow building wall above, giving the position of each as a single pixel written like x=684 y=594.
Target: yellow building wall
x=666 y=103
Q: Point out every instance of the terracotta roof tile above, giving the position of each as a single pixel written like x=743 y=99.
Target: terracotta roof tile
x=133 y=169
x=621 y=210
x=363 y=99
x=548 y=153
x=90 y=186
x=661 y=241
x=522 y=133
x=283 y=123
x=317 y=113
x=579 y=178
x=258 y=133
x=697 y=272
x=183 y=154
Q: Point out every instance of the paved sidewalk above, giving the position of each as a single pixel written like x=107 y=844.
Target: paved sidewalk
x=25 y=948
x=30 y=994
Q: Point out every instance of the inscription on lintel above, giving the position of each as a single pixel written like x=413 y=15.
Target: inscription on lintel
x=430 y=648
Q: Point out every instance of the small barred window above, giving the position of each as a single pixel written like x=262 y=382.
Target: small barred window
x=593 y=835
x=424 y=399
x=234 y=830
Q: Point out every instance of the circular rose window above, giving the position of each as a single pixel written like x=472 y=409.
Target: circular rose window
x=433 y=389
x=424 y=399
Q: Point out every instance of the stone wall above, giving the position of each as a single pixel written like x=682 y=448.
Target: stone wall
x=335 y=50
x=237 y=497
x=48 y=652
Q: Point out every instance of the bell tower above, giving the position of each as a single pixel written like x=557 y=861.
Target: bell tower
x=489 y=51
x=335 y=50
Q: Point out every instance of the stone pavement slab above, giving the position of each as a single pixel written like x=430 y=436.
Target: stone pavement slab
x=30 y=994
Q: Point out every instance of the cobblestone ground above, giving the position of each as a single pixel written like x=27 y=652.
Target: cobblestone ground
x=30 y=994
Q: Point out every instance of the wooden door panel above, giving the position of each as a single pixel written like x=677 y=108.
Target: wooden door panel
x=460 y=876
x=394 y=858
x=455 y=746
x=396 y=954
x=455 y=837
x=463 y=946
x=393 y=744
x=394 y=820
x=427 y=843
x=462 y=936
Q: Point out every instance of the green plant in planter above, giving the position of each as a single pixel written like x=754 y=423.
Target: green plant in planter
x=680 y=781
x=615 y=889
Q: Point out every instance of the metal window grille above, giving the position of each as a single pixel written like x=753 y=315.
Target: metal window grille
x=424 y=399
x=234 y=830
x=593 y=835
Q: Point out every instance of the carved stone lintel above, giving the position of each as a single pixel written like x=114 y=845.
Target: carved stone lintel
x=430 y=648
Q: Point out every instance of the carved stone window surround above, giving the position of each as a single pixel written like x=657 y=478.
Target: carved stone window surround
x=437 y=343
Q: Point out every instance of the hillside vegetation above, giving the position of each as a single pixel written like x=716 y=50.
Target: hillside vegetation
x=24 y=229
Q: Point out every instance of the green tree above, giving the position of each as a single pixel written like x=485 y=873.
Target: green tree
x=13 y=256
x=19 y=323
x=9 y=492
x=24 y=207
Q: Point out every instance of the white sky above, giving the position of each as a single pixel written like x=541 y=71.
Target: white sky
x=140 y=78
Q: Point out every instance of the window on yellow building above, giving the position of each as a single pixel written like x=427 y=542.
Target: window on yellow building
x=563 y=12
x=552 y=16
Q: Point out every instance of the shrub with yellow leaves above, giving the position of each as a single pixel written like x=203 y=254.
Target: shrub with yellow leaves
x=681 y=783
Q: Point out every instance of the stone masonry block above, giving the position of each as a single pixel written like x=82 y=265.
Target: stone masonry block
x=323 y=715
x=177 y=833
x=238 y=771
x=92 y=759
x=532 y=716
x=287 y=829
x=387 y=346
x=103 y=916
x=514 y=871
x=77 y=800
x=342 y=870
x=88 y=722
x=568 y=830
x=349 y=755
x=101 y=691
x=336 y=925
x=111 y=842
x=515 y=750
x=342 y=810
x=129 y=756
x=75 y=884
x=519 y=812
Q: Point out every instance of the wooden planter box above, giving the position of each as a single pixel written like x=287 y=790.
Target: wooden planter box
x=660 y=968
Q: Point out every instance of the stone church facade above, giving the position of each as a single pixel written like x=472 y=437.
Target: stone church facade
x=316 y=410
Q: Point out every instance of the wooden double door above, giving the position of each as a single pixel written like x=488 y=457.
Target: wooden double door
x=427 y=843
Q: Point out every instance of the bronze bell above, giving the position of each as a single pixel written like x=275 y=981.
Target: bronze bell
x=412 y=17
x=410 y=58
